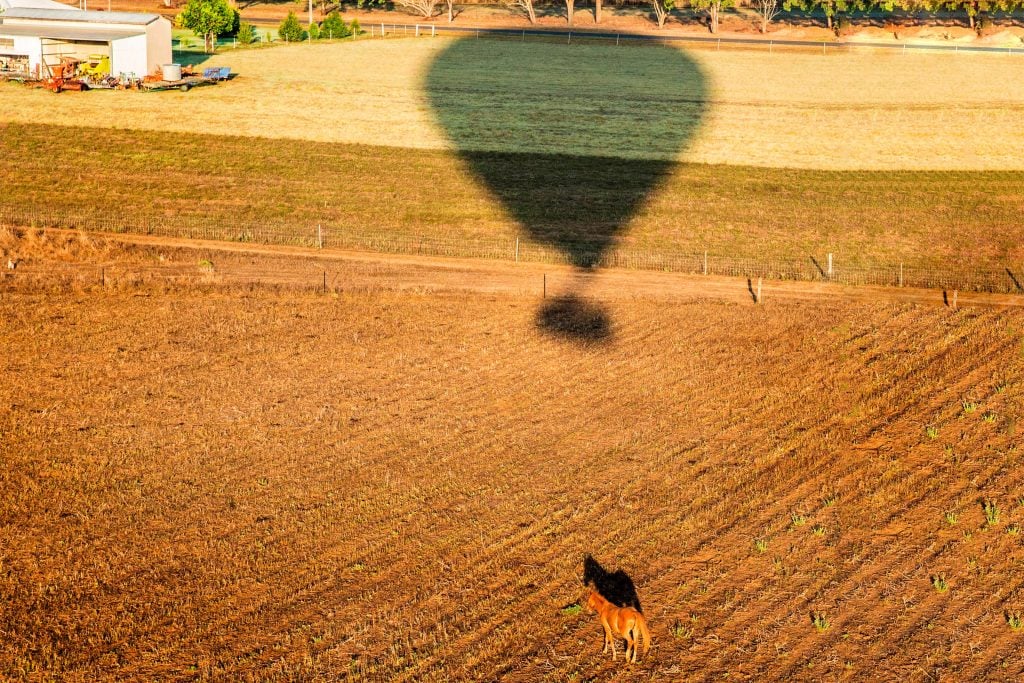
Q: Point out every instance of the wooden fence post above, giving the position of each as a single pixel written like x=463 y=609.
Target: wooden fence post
x=758 y=290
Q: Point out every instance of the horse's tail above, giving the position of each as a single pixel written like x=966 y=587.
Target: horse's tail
x=641 y=624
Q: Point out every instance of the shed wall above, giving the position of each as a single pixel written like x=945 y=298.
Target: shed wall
x=128 y=56
x=158 y=45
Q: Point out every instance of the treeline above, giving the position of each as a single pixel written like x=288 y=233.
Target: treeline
x=836 y=13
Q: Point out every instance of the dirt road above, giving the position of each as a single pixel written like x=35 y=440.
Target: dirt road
x=227 y=263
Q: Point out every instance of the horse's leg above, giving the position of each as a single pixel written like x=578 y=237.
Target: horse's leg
x=610 y=636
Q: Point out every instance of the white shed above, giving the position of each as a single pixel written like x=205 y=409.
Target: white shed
x=33 y=39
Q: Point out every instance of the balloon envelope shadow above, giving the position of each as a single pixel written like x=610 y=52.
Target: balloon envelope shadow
x=571 y=140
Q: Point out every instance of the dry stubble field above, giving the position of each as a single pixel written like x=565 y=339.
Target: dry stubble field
x=204 y=482
x=864 y=110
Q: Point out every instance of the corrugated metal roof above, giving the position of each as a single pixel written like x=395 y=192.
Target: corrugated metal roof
x=70 y=14
x=36 y=4
x=70 y=33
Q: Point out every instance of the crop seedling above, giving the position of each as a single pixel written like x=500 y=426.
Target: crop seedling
x=820 y=621
x=989 y=417
x=932 y=432
x=939 y=583
x=829 y=500
x=761 y=545
x=681 y=631
x=819 y=530
x=991 y=512
x=1014 y=621
x=951 y=517
x=798 y=519
x=1013 y=530
x=969 y=407
x=572 y=610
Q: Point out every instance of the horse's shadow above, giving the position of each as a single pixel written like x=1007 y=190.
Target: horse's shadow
x=616 y=587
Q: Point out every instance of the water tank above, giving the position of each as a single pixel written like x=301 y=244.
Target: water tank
x=172 y=72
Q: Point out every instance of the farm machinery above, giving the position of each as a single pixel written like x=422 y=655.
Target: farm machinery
x=94 y=73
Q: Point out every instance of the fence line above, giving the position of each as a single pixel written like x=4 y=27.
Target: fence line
x=820 y=267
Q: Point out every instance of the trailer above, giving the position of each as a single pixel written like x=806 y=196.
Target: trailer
x=183 y=84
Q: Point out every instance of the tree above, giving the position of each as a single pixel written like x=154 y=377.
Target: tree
x=310 y=3
x=768 y=10
x=714 y=9
x=290 y=30
x=425 y=8
x=661 y=10
x=973 y=8
x=830 y=8
x=597 y=11
x=526 y=6
x=570 y=9
x=451 y=10
x=236 y=23
x=207 y=18
x=314 y=31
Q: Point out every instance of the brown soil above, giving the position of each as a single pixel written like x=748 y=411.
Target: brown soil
x=48 y=258
x=214 y=479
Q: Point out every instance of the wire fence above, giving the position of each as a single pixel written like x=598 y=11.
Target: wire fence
x=570 y=36
x=819 y=267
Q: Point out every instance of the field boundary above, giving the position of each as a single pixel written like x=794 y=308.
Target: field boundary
x=811 y=268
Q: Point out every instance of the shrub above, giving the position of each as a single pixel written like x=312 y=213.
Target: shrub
x=314 y=31
x=354 y=28
x=246 y=33
x=334 y=26
x=290 y=30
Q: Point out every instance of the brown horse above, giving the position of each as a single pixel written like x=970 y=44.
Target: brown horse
x=620 y=622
